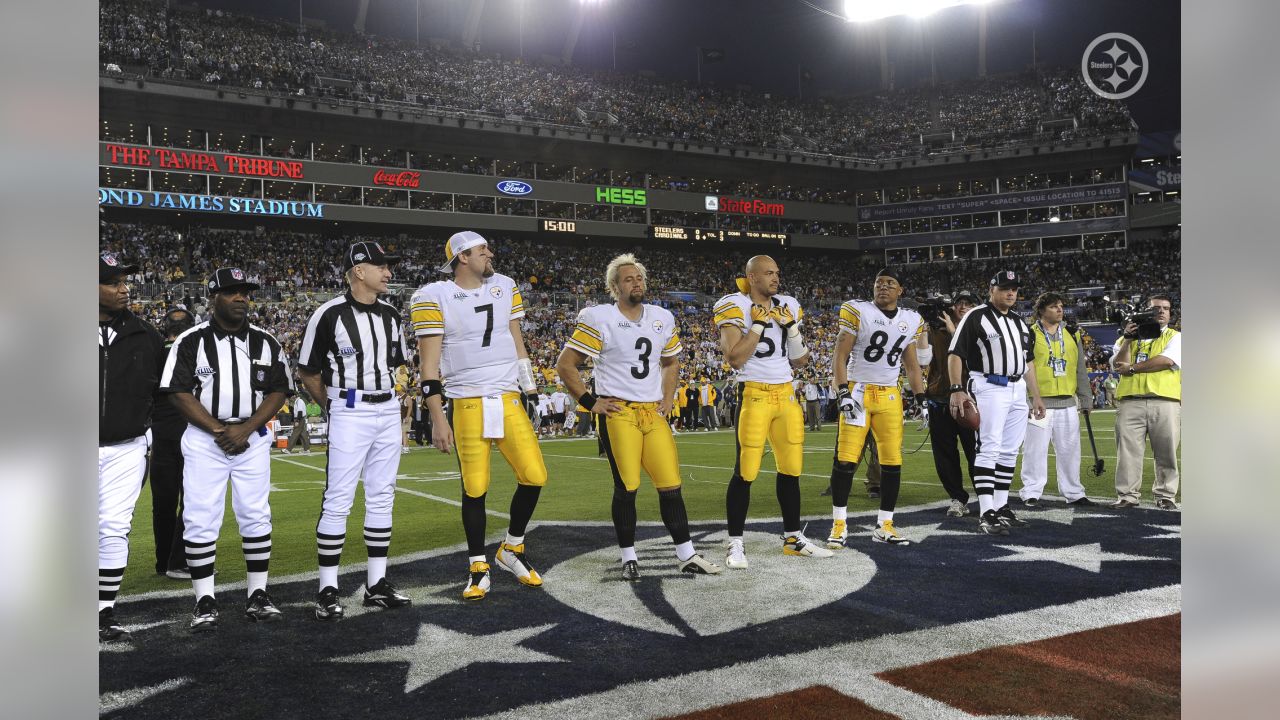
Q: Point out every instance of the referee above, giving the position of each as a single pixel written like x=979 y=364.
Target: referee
x=350 y=351
x=228 y=378
x=995 y=344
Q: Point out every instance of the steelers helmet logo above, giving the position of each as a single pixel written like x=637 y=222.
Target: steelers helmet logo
x=496 y=292
x=902 y=325
x=657 y=326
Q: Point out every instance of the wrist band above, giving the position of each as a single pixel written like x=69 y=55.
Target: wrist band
x=431 y=387
x=587 y=400
x=761 y=325
x=956 y=388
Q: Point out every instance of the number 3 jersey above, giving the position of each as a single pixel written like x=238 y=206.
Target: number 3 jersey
x=479 y=355
x=769 y=363
x=880 y=340
x=626 y=353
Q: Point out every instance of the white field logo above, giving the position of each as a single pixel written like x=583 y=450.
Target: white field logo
x=1115 y=66
x=773 y=588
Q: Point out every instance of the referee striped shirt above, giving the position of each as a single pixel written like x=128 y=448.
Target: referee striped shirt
x=993 y=343
x=229 y=373
x=354 y=345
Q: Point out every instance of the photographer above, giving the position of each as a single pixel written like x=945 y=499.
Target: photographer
x=1059 y=365
x=942 y=318
x=1148 y=358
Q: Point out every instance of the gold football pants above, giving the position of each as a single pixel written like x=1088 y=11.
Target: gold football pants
x=883 y=405
x=635 y=437
x=769 y=411
x=518 y=444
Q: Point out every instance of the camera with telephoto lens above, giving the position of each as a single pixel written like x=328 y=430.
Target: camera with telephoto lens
x=931 y=310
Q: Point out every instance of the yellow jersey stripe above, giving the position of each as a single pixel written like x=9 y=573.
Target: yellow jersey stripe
x=577 y=344
x=589 y=332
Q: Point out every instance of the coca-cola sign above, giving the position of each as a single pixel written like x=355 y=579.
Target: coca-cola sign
x=402 y=179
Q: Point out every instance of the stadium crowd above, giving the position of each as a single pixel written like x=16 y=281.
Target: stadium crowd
x=178 y=43
x=298 y=271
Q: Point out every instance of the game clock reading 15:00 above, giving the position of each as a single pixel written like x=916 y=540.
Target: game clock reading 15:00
x=559 y=226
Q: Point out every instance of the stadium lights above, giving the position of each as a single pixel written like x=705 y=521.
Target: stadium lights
x=869 y=10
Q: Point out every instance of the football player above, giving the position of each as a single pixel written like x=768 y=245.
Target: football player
x=636 y=393
x=468 y=332
x=876 y=340
x=760 y=338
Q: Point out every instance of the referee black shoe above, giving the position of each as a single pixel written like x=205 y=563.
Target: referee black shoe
x=327 y=606
x=205 y=617
x=261 y=608
x=108 y=627
x=990 y=524
x=1008 y=519
x=385 y=595
x=631 y=571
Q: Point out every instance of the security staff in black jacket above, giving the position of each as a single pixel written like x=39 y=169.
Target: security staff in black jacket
x=166 y=468
x=944 y=432
x=130 y=357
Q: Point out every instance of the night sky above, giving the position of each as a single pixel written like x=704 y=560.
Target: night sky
x=767 y=42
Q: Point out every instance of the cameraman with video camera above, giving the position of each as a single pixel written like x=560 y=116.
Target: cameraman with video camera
x=1148 y=358
x=942 y=316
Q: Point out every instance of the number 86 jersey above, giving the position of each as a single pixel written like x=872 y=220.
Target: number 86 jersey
x=880 y=340
x=626 y=353
x=478 y=356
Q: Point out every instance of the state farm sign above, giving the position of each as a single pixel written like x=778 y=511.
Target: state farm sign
x=744 y=207
x=402 y=179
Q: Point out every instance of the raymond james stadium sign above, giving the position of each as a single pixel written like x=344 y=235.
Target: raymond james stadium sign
x=990 y=203
x=113 y=197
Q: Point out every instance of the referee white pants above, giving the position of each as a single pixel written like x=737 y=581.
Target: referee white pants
x=362 y=439
x=1004 y=421
x=1063 y=430
x=206 y=470
x=121 y=469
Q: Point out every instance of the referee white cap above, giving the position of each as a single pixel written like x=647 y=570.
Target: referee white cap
x=459 y=243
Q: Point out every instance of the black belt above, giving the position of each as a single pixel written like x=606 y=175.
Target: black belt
x=369 y=397
x=113 y=443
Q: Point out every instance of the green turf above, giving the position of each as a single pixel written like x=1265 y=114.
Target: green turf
x=580 y=488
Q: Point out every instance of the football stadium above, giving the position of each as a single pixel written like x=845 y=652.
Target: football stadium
x=912 y=268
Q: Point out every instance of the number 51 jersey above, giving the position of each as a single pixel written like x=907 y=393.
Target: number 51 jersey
x=769 y=363
x=626 y=353
x=479 y=355
x=880 y=340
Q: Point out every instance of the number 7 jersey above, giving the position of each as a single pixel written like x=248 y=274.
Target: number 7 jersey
x=879 y=340
x=479 y=354
x=626 y=353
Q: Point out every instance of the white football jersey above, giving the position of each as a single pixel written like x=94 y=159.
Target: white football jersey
x=626 y=353
x=879 y=340
x=769 y=363
x=479 y=354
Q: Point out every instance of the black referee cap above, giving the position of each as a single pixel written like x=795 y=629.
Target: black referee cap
x=1006 y=278
x=368 y=252
x=228 y=278
x=111 y=266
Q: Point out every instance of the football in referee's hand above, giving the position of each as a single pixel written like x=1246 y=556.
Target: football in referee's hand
x=969 y=417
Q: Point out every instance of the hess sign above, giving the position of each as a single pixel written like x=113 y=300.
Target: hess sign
x=621 y=196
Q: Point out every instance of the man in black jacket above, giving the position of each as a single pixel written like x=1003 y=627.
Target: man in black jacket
x=166 y=468
x=130 y=357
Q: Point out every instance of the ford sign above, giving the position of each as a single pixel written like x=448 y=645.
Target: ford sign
x=514 y=187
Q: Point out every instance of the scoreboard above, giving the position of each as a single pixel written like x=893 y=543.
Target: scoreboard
x=672 y=232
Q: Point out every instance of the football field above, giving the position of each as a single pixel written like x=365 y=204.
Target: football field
x=1077 y=615
x=579 y=487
